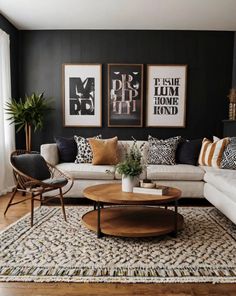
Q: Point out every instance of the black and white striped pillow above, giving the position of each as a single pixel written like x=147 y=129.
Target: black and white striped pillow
x=229 y=155
x=162 y=151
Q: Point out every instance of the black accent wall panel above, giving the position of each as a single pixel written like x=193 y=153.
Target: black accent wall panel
x=209 y=56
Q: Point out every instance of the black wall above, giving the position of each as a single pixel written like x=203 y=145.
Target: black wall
x=6 y=26
x=209 y=56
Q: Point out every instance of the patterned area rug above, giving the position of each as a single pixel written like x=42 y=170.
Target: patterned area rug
x=56 y=251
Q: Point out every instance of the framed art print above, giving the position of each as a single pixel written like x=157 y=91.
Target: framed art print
x=125 y=95
x=82 y=95
x=166 y=95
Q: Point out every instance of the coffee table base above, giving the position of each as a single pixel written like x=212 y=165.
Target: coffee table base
x=133 y=221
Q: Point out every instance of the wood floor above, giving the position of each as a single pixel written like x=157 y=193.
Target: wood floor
x=69 y=289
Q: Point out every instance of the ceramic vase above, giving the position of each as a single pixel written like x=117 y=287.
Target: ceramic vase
x=128 y=183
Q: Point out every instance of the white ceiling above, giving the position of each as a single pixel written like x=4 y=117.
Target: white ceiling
x=121 y=14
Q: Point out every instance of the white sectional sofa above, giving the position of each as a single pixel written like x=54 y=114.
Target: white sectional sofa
x=216 y=185
x=220 y=190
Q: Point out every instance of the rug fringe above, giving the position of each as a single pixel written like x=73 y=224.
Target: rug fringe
x=102 y=279
x=8 y=271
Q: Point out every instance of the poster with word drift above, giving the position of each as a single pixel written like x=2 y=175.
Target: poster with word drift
x=166 y=95
x=125 y=95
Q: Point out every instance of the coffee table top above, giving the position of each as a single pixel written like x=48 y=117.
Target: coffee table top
x=111 y=193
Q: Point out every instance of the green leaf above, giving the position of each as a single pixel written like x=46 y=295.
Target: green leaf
x=30 y=111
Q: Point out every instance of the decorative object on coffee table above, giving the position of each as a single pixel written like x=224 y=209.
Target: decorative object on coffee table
x=135 y=219
x=151 y=188
x=28 y=113
x=147 y=183
x=131 y=168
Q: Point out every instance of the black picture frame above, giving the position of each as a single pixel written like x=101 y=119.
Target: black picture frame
x=125 y=95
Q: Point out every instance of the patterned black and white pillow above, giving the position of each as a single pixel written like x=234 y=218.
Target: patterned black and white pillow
x=84 y=151
x=229 y=155
x=162 y=151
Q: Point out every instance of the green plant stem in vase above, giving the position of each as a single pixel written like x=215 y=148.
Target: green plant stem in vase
x=131 y=168
x=28 y=113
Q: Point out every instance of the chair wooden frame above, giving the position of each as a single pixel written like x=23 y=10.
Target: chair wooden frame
x=36 y=188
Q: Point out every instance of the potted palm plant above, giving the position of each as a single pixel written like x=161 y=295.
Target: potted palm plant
x=28 y=113
x=131 y=168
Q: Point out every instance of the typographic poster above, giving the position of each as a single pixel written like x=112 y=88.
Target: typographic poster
x=166 y=95
x=82 y=95
x=125 y=95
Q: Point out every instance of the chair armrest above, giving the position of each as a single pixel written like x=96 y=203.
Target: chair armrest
x=50 y=153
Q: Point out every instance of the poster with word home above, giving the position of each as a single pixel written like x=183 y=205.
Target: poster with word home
x=166 y=95
x=125 y=95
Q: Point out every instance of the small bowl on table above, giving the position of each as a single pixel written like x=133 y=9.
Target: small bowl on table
x=147 y=184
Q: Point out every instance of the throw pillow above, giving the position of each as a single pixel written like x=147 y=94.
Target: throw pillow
x=162 y=151
x=33 y=165
x=104 y=151
x=67 y=149
x=188 y=151
x=229 y=155
x=211 y=153
x=84 y=151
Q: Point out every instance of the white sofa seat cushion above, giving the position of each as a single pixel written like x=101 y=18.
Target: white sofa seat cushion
x=193 y=189
x=87 y=171
x=175 y=172
x=223 y=180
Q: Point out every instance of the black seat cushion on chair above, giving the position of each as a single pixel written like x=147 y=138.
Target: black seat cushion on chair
x=56 y=181
x=32 y=165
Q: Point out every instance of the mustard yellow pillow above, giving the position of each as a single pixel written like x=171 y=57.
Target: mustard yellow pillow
x=104 y=151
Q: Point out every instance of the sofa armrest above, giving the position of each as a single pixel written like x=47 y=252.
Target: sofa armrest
x=50 y=153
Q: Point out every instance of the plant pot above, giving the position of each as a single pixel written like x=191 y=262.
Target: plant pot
x=128 y=183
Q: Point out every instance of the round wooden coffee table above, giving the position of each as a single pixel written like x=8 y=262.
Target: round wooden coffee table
x=134 y=215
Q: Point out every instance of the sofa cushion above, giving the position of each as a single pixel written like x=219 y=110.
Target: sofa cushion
x=32 y=164
x=175 y=172
x=211 y=153
x=223 y=180
x=229 y=155
x=87 y=171
x=66 y=148
x=188 y=151
x=162 y=152
x=50 y=153
x=84 y=151
x=104 y=151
